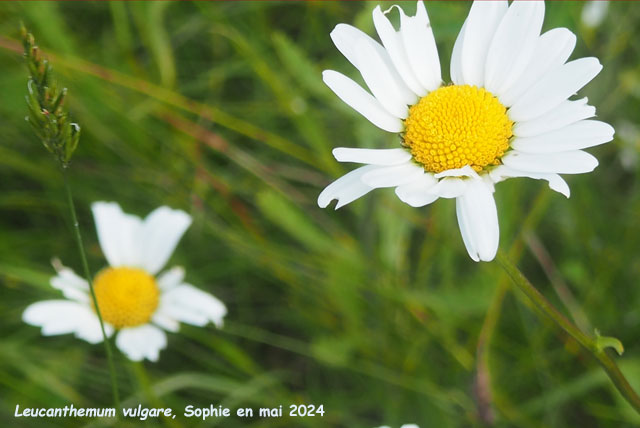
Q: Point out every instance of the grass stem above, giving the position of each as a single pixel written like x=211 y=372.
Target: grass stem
x=590 y=344
x=87 y=274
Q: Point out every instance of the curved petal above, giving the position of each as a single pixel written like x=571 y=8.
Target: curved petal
x=392 y=42
x=392 y=176
x=164 y=321
x=465 y=171
x=556 y=182
x=566 y=113
x=555 y=87
x=160 y=233
x=170 y=278
x=449 y=187
x=346 y=189
x=372 y=156
x=191 y=305
x=455 y=68
x=361 y=101
x=574 y=162
x=118 y=234
x=62 y=316
x=580 y=135
x=72 y=286
x=138 y=343
x=383 y=83
x=513 y=45
x=552 y=50
x=478 y=221
x=416 y=193
x=350 y=41
x=420 y=46
x=481 y=24
x=346 y=38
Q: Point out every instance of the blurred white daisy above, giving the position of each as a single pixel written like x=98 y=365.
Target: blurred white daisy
x=133 y=301
x=402 y=426
x=594 y=12
x=506 y=114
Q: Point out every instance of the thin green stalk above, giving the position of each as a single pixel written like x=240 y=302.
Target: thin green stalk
x=146 y=387
x=590 y=344
x=87 y=274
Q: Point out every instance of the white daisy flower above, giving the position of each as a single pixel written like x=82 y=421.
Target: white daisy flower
x=506 y=114
x=134 y=300
x=594 y=12
x=402 y=426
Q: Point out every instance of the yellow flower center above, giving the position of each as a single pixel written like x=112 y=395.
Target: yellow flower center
x=455 y=126
x=127 y=297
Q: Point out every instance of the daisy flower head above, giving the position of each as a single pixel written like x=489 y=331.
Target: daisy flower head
x=402 y=426
x=135 y=302
x=505 y=114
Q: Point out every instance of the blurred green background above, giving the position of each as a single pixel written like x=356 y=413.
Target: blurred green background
x=374 y=311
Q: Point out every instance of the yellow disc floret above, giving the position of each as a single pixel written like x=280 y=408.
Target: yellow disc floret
x=126 y=296
x=455 y=126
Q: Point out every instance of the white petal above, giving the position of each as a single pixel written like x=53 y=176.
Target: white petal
x=72 y=286
x=482 y=22
x=346 y=189
x=553 y=88
x=552 y=50
x=556 y=182
x=62 y=317
x=456 y=57
x=351 y=41
x=118 y=234
x=416 y=193
x=420 y=46
x=191 y=305
x=566 y=113
x=372 y=156
x=346 y=37
x=384 y=84
x=165 y=321
x=160 y=233
x=574 y=162
x=465 y=171
x=449 y=187
x=352 y=193
x=513 y=45
x=361 y=101
x=91 y=331
x=392 y=42
x=478 y=221
x=580 y=135
x=392 y=176
x=171 y=278
x=138 y=343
